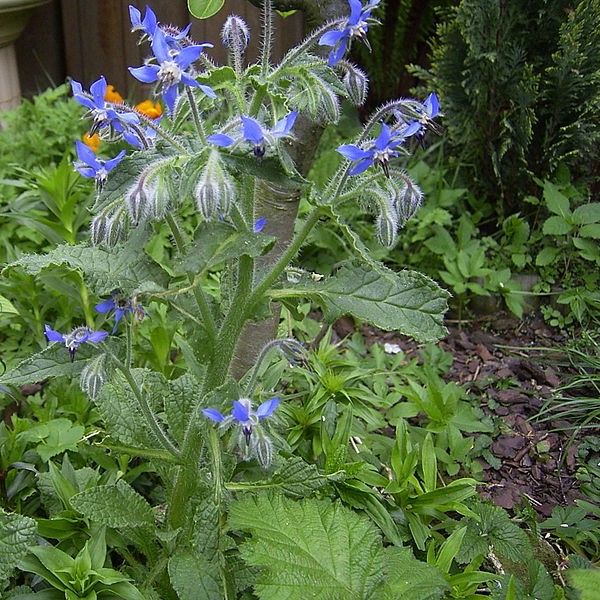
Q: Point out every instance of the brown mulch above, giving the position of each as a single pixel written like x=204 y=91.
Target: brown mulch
x=496 y=360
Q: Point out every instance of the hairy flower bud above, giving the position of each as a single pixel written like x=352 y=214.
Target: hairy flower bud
x=98 y=230
x=386 y=226
x=93 y=376
x=408 y=202
x=158 y=198
x=235 y=33
x=292 y=350
x=330 y=106
x=137 y=203
x=356 y=83
x=263 y=448
x=215 y=192
x=114 y=229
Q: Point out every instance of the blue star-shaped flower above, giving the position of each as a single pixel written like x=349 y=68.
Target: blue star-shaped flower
x=149 y=23
x=94 y=168
x=121 y=306
x=171 y=70
x=256 y=134
x=383 y=149
x=73 y=340
x=356 y=26
x=103 y=113
x=251 y=439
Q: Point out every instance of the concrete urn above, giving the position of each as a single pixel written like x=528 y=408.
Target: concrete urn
x=14 y=15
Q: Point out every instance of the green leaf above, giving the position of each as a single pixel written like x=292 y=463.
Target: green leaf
x=556 y=201
x=590 y=231
x=494 y=531
x=6 y=306
x=407 y=302
x=216 y=243
x=53 y=361
x=193 y=577
x=547 y=256
x=295 y=478
x=411 y=579
x=308 y=548
x=124 y=267
x=120 y=413
x=116 y=505
x=203 y=9
x=556 y=226
x=58 y=435
x=586 y=582
x=587 y=214
x=181 y=396
x=268 y=169
x=17 y=534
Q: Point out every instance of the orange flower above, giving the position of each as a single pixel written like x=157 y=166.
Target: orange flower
x=112 y=95
x=152 y=110
x=92 y=141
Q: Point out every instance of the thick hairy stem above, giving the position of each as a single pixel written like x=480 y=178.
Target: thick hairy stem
x=196 y=115
x=187 y=477
x=267 y=39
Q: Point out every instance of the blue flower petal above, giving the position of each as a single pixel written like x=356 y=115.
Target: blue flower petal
x=331 y=38
x=213 y=414
x=160 y=46
x=284 y=126
x=384 y=137
x=170 y=97
x=267 y=408
x=259 y=224
x=352 y=152
x=86 y=171
x=135 y=16
x=361 y=166
x=145 y=74
x=240 y=411
x=355 y=11
x=109 y=165
x=53 y=336
x=220 y=139
x=208 y=91
x=98 y=91
x=252 y=130
x=188 y=55
x=96 y=336
x=86 y=155
x=432 y=106
x=105 y=306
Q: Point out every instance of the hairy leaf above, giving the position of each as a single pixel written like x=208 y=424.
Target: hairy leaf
x=124 y=267
x=53 y=361
x=117 y=505
x=294 y=478
x=493 y=532
x=410 y=578
x=309 y=548
x=17 y=533
x=180 y=398
x=216 y=243
x=407 y=302
x=193 y=577
x=586 y=582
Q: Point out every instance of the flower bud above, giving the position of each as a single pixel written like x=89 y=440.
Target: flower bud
x=158 y=198
x=408 y=202
x=386 y=227
x=292 y=350
x=356 y=83
x=93 y=376
x=330 y=106
x=263 y=448
x=235 y=33
x=114 y=229
x=98 y=230
x=137 y=203
x=215 y=192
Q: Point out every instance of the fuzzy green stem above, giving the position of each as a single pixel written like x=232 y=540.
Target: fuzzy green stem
x=267 y=41
x=214 y=443
x=149 y=416
x=199 y=295
x=129 y=344
x=163 y=134
x=216 y=374
x=196 y=115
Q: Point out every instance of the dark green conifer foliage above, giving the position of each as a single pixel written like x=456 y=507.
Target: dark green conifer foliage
x=520 y=88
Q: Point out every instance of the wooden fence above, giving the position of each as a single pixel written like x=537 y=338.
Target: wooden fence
x=84 y=39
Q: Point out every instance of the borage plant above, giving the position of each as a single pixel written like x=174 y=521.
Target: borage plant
x=229 y=493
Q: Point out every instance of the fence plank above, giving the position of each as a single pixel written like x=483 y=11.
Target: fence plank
x=95 y=38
